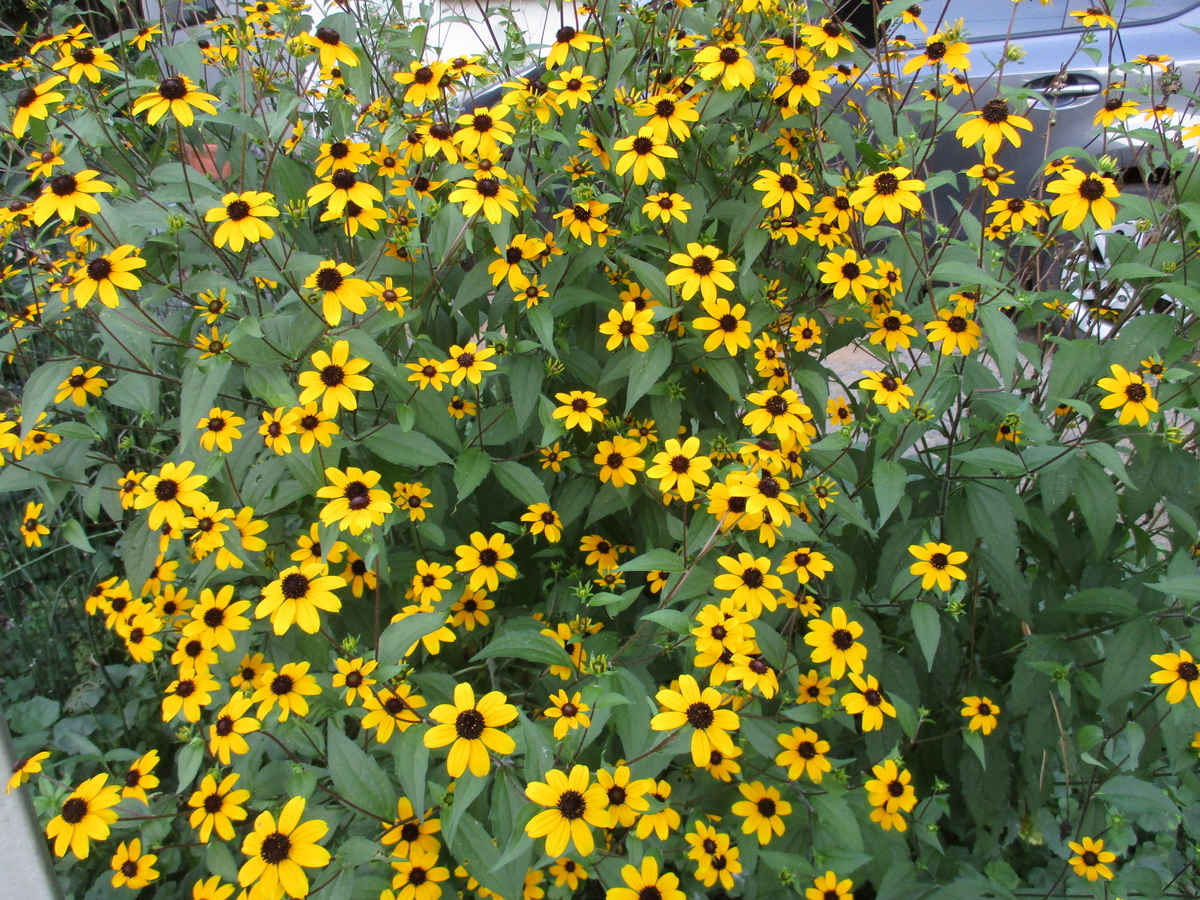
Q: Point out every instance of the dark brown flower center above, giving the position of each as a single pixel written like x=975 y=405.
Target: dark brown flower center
x=851 y=271
x=565 y=35
x=729 y=55
x=995 y=111
x=328 y=36
x=842 y=639
x=294 y=586
x=282 y=684
x=643 y=146
x=700 y=715
x=469 y=724
x=488 y=557
x=895 y=788
x=766 y=807
x=703 y=265
x=99 y=268
x=1090 y=858
x=173 y=88
x=1188 y=671
x=571 y=805
x=276 y=846
x=332 y=376
x=343 y=179
x=487 y=187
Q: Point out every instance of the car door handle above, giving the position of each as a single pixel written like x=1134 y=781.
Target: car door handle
x=1064 y=86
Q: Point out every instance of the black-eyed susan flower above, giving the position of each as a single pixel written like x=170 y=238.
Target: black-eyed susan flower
x=335 y=380
x=140 y=777
x=625 y=796
x=486 y=559
x=762 y=810
x=84 y=816
x=784 y=189
x=131 y=867
x=726 y=324
x=352 y=675
x=471 y=609
x=418 y=877
x=79 y=384
x=806 y=563
x=543 y=520
x=601 y=553
x=644 y=153
x=412 y=497
x=31 y=527
x=993 y=124
x=226 y=735
x=1128 y=392
x=891 y=793
x=216 y=616
x=701 y=269
x=887 y=194
x=750 y=581
x=699 y=710
x=242 y=219
x=410 y=832
x=892 y=329
x=573 y=87
x=803 y=754
x=669 y=114
x=23 y=767
x=940 y=50
x=828 y=37
x=812 y=688
x=569 y=713
x=483 y=130
x=338 y=291
x=296 y=595
x=354 y=501
x=1115 y=109
x=423 y=80
x=953 y=331
x=331 y=48
x=890 y=390
x=579 y=409
x=1180 y=671
x=566 y=39
x=220 y=429
x=427 y=373
x=104 y=273
x=628 y=324
x=568 y=872
x=1091 y=859
x=646 y=883
x=680 y=467
x=869 y=702
x=392 y=709
x=188 y=695
x=34 y=103
x=829 y=887
x=472 y=728
x=67 y=194
x=836 y=642
x=991 y=176
x=177 y=95
x=1094 y=17
x=168 y=492
x=460 y=407
x=848 y=274
x=288 y=687
x=1016 y=213
x=982 y=713
x=279 y=853
x=342 y=188
x=574 y=807
x=665 y=206
x=486 y=195
x=619 y=460
x=468 y=362
x=217 y=806
x=275 y=431
x=781 y=413
x=312 y=425
x=84 y=62
x=518 y=250
x=937 y=564
x=429 y=581
x=727 y=62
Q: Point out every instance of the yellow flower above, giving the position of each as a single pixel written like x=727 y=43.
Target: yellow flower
x=828 y=37
x=568 y=872
x=1090 y=859
x=644 y=152
x=297 y=594
x=138 y=778
x=891 y=793
x=700 y=710
x=870 y=703
x=669 y=114
x=34 y=103
x=79 y=384
x=750 y=580
x=892 y=330
x=417 y=877
x=84 y=816
x=784 y=189
x=31 y=526
x=803 y=754
x=471 y=609
x=84 y=62
x=24 y=767
x=763 y=811
x=220 y=429
x=628 y=324
x=566 y=39
x=473 y=729
x=486 y=195
x=571 y=713
x=812 y=688
x=424 y=82
x=469 y=362
x=1181 y=672
x=176 y=95
x=678 y=468
x=225 y=735
x=354 y=501
x=579 y=408
x=601 y=553
x=574 y=806
x=888 y=193
x=848 y=274
x=288 y=687
x=1092 y=17
x=585 y=220
x=106 y=272
x=645 y=883
x=408 y=832
x=331 y=47
x=727 y=61
x=485 y=559
x=954 y=331
x=982 y=713
x=937 y=564
x=483 y=132
x=993 y=124
x=827 y=887
x=1081 y=194
x=1130 y=393
x=519 y=249
x=188 y=695
x=619 y=460
x=665 y=206
x=277 y=852
x=335 y=380
x=217 y=807
x=392 y=709
x=133 y=868
x=836 y=642
x=701 y=269
x=889 y=390
x=806 y=563
x=725 y=325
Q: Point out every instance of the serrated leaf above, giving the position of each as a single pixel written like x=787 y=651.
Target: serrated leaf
x=197 y=395
x=39 y=392
x=412 y=764
x=406 y=448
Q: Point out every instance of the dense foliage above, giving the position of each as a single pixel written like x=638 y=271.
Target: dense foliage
x=633 y=485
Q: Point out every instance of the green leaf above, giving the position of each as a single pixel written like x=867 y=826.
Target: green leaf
x=1185 y=587
x=1108 y=456
x=671 y=619
x=928 y=627
x=725 y=373
x=650 y=277
x=1097 y=501
x=974 y=740
x=539 y=757
x=541 y=317
x=1102 y=600
x=526 y=645
x=412 y=763
x=961 y=273
x=1132 y=795
x=471 y=468
x=39 y=392
x=198 y=395
x=1074 y=364
x=662 y=560
x=521 y=482
x=357 y=776
x=647 y=368
x=220 y=861
x=889 y=479
x=74 y=535
x=187 y=763
x=407 y=448
x=525 y=377
x=1001 y=335
x=399 y=636
x=468 y=786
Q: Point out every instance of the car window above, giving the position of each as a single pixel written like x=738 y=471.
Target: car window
x=993 y=19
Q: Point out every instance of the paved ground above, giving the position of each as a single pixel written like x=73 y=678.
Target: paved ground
x=25 y=869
